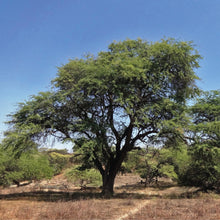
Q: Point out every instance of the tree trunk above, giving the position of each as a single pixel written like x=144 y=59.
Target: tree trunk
x=108 y=184
x=108 y=177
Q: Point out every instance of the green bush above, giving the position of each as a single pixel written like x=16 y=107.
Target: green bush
x=35 y=167
x=149 y=172
x=173 y=162
x=167 y=170
x=166 y=162
x=29 y=166
x=204 y=168
x=84 y=177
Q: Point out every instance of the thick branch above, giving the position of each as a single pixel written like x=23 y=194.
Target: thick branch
x=98 y=164
x=140 y=136
x=111 y=119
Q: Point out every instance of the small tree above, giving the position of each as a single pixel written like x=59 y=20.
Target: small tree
x=147 y=164
x=169 y=162
x=106 y=105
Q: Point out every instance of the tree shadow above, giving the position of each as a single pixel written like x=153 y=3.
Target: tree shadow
x=51 y=196
x=138 y=186
x=122 y=192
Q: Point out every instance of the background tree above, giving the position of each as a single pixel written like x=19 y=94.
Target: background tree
x=204 y=168
x=132 y=161
x=59 y=159
x=168 y=161
x=108 y=104
x=173 y=161
x=148 y=166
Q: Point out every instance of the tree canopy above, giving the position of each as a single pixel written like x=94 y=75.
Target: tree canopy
x=108 y=104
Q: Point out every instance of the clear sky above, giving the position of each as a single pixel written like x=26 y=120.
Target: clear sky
x=37 y=36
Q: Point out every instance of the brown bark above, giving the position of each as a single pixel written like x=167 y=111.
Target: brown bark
x=108 y=185
x=108 y=177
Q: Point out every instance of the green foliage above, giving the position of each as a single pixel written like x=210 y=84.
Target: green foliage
x=132 y=161
x=168 y=170
x=207 y=107
x=166 y=162
x=173 y=161
x=19 y=140
x=147 y=166
x=35 y=167
x=206 y=118
x=8 y=169
x=30 y=166
x=107 y=104
x=152 y=163
x=204 y=168
x=58 y=161
x=149 y=172
x=84 y=177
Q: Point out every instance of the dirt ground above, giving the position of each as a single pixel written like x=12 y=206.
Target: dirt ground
x=59 y=199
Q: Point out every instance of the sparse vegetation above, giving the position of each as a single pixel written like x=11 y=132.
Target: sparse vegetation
x=132 y=201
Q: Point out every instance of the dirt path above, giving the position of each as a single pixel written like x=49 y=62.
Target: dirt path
x=151 y=192
x=134 y=211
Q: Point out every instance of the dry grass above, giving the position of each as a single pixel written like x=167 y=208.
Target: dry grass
x=82 y=209
x=165 y=202
x=184 y=209
x=159 y=209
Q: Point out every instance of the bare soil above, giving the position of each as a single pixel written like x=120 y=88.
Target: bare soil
x=59 y=199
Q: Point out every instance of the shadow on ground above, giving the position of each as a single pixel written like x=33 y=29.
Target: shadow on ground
x=51 y=196
x=132 y=191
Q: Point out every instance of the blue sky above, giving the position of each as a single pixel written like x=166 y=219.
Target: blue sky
x=37 y=36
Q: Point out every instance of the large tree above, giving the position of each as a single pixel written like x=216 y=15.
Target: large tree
x=109 y=103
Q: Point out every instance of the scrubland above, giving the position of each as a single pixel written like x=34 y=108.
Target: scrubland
x=130 y=201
